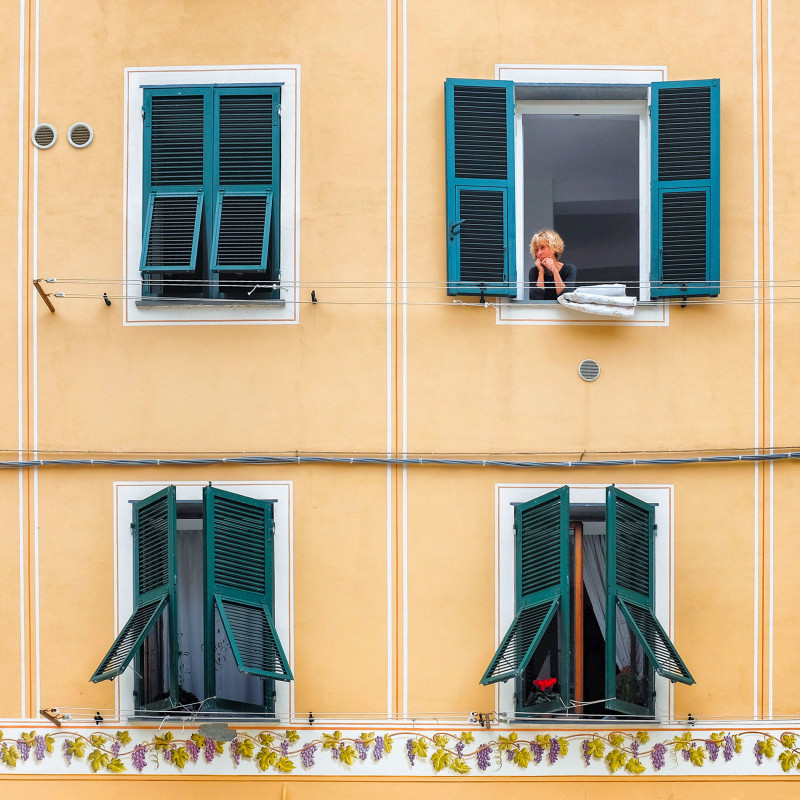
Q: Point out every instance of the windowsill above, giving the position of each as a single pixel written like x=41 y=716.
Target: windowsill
x=551 y=312
x=182 y=302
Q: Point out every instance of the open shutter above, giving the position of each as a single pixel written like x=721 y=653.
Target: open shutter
x=542 y=588
x=479 y=136
x=176 y=143
x=239 y=584
x=685 y=189
x=630 y=531
x=154 y=532
x=246 y=205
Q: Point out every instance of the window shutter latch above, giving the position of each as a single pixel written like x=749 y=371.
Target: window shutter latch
x=455 y=229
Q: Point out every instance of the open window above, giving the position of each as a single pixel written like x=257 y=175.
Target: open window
x=628 y=175
x=585 y=638
x=201 y=635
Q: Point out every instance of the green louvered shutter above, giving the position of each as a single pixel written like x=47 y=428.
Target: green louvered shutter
x=479 y=139
x=246 y=206
x=630 y=532
x=154 y=532
x=239 y=584
x=176 y=172
x=541 y=529
x=685 y=189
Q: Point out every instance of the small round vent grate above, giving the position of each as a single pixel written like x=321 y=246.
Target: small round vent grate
x=80 y=135
x=44 y=136
x=589 y=369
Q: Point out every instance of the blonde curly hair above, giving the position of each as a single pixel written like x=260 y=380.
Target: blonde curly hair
x=549 y=236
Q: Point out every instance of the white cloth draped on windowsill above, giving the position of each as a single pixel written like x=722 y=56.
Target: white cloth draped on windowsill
x=607 y=300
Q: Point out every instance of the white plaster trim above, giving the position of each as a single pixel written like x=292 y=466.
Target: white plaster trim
x=506 y=494
x=223 y=313
x=282 y=492
x=771 y=218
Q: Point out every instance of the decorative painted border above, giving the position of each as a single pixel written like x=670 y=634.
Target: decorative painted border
x=284 y=752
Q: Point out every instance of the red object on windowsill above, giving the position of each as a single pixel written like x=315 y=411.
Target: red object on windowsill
x=545 y=684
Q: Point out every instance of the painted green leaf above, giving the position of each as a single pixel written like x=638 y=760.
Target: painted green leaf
x=767 y=747
x=387 y=744
x=616 y=739
x=330 y=739
x=616 y=760
x=507 y=742
x=348 y=755
x=49 y=741
x=522 y=757
x=98 y=759
x=162 y=742
x=368 y=738
x=76 y=748
x=198 y=739
x=116 y=766
x=9 y=755
x=467 y=737
x=787 y=759
x=788 y=739
x=266 y=758
x=179 y=757
x=682 y=742
x=246 y=748
x=440 y=740
x=697 y=755
x=460 y=766
x=597 y=747
x=440 y=759
x=292 y=736
x=285 y=764
x=635 y=766
x=124 y=737
x=98 y=740
x=419 y=747
x=643 y=736
x=563 y=746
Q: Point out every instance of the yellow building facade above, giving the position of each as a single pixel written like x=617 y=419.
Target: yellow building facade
x=389 y=428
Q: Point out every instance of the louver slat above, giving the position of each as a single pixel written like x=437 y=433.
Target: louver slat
x=520 y=642
x=655 y=642
x=480 y=187
x=172 y=232
x=253 y=639
x=685 y=189
x=241 y=232
x=177 y=140
x=130 y=639
x=245 y=140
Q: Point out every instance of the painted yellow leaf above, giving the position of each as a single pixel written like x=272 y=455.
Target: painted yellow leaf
x=387 y=744
x=507 y=742
x=616 y=760
x=98 y=760
x=29 y=738
x=460 y=766
x=266 y=738
x=198 y=739
x=179 y=757
x=285 y=764
x=597 y=747
x=163 y=742
x=718 y=739
x=440 y=740
x=9 y=755
x=331 y=739
x=616 y=739
x=115 y=765
x=97 y=740
x=292 y=736
x=522 y=758
x=697 y=756
x=368 y=738
x=347 y=754
x=124 y=737
x=219 y=747
x=767 y=747
x=543 y=740
x=635 y=766
x=467 y=737
x=266 y=758
x=787 y=760
x=440 y=759
x=49 y=741
x=246 y=748
x=788 y=739
x=76 y=748
x=419 y=747
x=643 y=736
x=682 y=742
x=737 y=744
x=563 y=746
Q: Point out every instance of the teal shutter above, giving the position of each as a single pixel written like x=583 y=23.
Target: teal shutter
x=239 y=584
x=542 y=588
x=630 y=532
x=247 y=148
x=176 y=174
x=154 y=575
x=479 y=147
x=685 y=191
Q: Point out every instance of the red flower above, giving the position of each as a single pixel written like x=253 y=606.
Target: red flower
x=545 y=684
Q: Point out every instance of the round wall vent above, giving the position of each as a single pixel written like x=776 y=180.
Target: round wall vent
x=589 y=369
x=44 y=136
x=80 y=135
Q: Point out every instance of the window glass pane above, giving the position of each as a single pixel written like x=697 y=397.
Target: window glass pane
x=634 y=675
x=542 y=668
x=232 y=684
x=153 y=663
x=190 y=611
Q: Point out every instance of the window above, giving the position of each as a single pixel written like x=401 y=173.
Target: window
x=598 y=162
x=201 y=634
x=583 y=634
x=212 y=188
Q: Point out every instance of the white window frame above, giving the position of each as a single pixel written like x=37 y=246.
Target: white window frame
x=213 y=312
x=126 y=493
x=520 y=310
x=661 y=496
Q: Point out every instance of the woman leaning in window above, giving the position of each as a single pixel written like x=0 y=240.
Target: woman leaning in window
x=549 y=277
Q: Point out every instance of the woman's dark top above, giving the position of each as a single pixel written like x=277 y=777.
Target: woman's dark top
x=569 y=274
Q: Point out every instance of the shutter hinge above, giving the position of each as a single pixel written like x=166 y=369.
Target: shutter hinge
x=272 y=529
x=649 y=111
x=133 y=528
x=144 y=113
